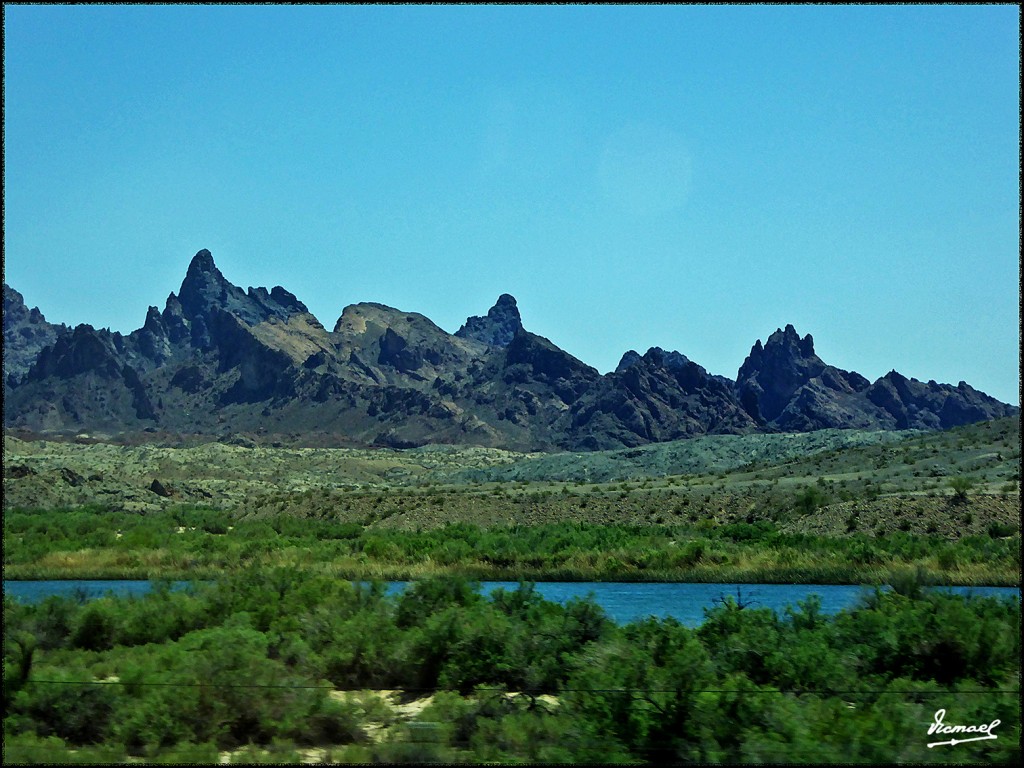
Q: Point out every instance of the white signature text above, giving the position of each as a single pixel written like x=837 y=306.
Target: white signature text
x=941 y=728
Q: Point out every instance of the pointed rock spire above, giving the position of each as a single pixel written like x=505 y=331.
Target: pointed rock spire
x=202 y=262
x=174 y=320
x=498 y=327
x=205 y=289
x=204 y=286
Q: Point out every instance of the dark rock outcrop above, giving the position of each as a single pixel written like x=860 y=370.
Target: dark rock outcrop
x=533 y=362
x=784 y=385
x=659 y=396
x=84 y=350
x=83 y=379
x=629 y=359
x=498 y=327
x=205 y=294
x=152 y=340
x=72 y=478
x=913 y=404
x=771 y=375
x=26 y=334
x=161 y=489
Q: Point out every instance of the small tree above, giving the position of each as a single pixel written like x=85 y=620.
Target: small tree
x=960 y=485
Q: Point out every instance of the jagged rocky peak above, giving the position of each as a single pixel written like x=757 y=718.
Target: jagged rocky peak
x=545 y=358
x=154 y=321
x=172 y=307
x=286 y=299
x=671 y=360
x=82 y=350
x=15 y=308
x=26 y=333
x=654 y=356
x=277 y=298
x=391 y=377
x=152 y=340
x=772 y=373
x=205 y=290
x=204 y=287
x=498 y=327
x=202 y=263
x=505 y=302
x=782 y=348
x=281 y=304
x=174 y=321
x=790 y=340
x=917 y=405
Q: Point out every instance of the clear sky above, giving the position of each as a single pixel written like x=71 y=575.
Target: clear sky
x=676 y=176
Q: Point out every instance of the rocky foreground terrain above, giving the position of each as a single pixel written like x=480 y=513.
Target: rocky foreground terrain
x=222 y=363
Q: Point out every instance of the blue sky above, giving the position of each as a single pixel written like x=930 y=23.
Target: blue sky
x=679 y=176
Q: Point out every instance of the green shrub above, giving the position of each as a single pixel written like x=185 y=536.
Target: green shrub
x=999 y=530
x=961 y=485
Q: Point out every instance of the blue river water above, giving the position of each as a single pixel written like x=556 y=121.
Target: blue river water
x=622 y=601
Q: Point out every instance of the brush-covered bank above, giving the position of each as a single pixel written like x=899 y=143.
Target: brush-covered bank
x=281 y=665
x=190 y=543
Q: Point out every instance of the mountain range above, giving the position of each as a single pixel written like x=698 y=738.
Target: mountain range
x=230 y=364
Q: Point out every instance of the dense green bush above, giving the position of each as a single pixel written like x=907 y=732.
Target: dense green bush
x=250 y=660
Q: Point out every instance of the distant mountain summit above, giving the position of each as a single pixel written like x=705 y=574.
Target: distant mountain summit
x=498 y=327
x=205 y=293
x=26 y=332
x=228 y=363
x=656 y=397
x=784 y=384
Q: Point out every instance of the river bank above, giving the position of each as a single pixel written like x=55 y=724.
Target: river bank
x=195 y=543
x=255 y=661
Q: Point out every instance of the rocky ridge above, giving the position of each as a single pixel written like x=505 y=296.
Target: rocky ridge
x=26 y=334
x=222 y=362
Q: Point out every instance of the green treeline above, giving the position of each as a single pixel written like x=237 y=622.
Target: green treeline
x=256 y=661
x=194 y=542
